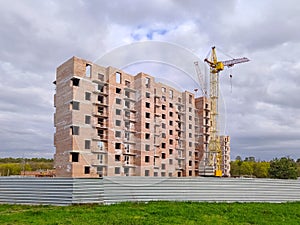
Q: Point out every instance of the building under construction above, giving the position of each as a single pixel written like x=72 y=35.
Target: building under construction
x=110 y=123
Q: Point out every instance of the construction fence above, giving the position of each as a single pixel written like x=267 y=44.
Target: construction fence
x=109 y=190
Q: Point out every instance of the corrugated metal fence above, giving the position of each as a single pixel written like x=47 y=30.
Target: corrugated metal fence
x=67 y=191
x=117 y=189
x=51 y=191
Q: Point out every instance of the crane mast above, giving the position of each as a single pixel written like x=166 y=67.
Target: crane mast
x=214 y=147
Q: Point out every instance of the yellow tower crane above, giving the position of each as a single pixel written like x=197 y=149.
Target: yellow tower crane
x=214 y=147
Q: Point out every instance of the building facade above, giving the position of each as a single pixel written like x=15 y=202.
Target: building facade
x=110 y=123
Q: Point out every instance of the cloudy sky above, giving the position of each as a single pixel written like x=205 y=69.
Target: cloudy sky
x=262 y=103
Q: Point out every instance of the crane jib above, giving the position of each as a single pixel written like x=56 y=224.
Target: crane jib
x=231 y=62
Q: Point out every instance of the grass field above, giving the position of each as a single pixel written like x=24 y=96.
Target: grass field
x=154 y=213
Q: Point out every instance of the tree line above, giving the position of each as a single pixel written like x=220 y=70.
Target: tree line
x=283 y=168
x=14 y=166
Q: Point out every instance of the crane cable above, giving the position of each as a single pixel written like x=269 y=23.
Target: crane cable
x=230 y=77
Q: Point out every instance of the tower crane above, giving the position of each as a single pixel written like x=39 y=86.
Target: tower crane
x=214 y=147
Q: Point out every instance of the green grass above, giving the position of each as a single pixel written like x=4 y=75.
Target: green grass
x=154 y=213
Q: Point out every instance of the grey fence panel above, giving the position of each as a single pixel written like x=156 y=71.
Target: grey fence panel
x=50 y=191
x=88 y=191
x=118 y=189
x=25 y=190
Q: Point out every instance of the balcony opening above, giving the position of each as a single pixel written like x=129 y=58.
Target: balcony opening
x=101 y=133
x=127 y=135
x=117 y=158
x=75 y=82
x=127 y=148
x=101 y=77
x=127 y=83
x=100 y=87
x=100 y=99
x=101 y=145
x=101 y=110
x=100 y=158
x=126 y=159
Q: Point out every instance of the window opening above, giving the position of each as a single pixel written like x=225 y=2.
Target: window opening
x=86 y=170
x=87 y=144
x=88 y=70
x=118 y=77
x=88 y=96
x=75 y=156
x=87 y=119
x=74 y=130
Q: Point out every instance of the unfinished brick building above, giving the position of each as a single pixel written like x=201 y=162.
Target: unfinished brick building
x=110 y=123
